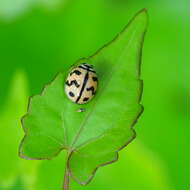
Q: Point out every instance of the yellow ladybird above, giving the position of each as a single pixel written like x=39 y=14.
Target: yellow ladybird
x=81 y=84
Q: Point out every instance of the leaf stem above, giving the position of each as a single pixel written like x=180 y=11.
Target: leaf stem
x=66 y=179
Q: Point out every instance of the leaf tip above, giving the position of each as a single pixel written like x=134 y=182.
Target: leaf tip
x=143 y=13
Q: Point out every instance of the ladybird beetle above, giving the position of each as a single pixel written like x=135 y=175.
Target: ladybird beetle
x=81 y=83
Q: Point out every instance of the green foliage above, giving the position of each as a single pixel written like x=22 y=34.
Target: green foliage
x=10 y=9
x=52 y=171
x=11 y=134
x=91 y=138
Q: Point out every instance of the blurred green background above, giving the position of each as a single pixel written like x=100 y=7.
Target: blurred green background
x=38 y=36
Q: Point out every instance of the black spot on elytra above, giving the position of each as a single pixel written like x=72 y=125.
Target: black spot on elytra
x=71 y=94
x=77 y=72
x=85 y=99
x=73 y=82
x=94 y=79
x=91 y=89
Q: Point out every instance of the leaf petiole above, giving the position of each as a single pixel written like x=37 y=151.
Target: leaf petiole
x=66 y=179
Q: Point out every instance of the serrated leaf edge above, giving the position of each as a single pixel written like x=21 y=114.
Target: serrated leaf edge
x=132 y=126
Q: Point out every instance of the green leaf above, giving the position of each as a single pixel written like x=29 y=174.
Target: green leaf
x=148 y=172
x=11 y=166
x=10 y=130
x=94 y=137
x=130 y=172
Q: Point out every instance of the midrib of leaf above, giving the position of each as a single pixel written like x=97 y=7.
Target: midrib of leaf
x=100 y=93
x=64 y=129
